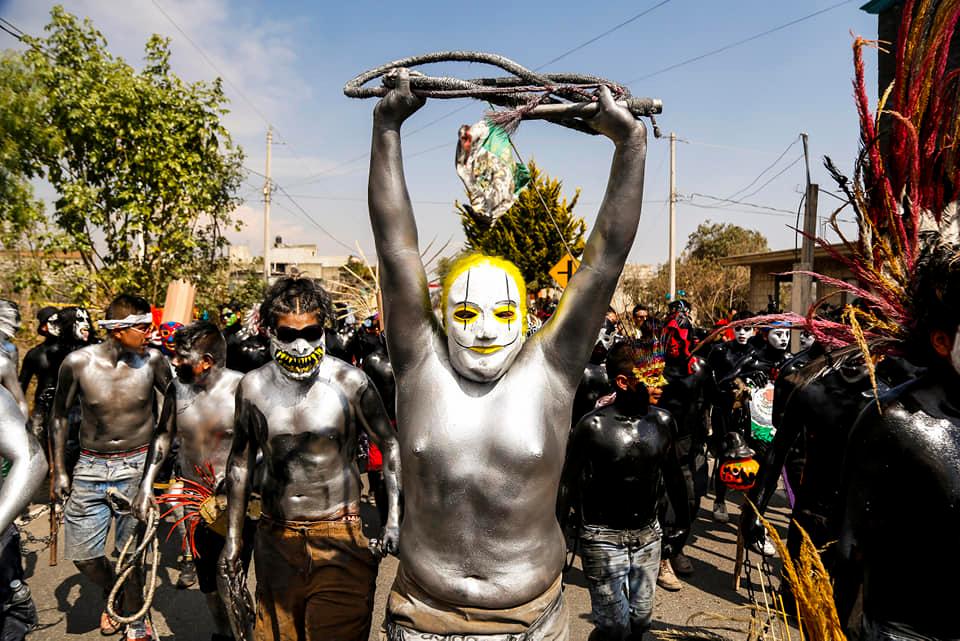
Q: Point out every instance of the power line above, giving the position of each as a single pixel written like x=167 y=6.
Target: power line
x=774 y=177
x=740 y=202
x=312 y=220
x=212 y=64
x=16 y=32
x=732 y=45
x=768 y=168
x=433 y=122
x=604 y=34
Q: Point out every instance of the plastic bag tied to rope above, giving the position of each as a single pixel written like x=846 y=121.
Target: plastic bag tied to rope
x=491 y=176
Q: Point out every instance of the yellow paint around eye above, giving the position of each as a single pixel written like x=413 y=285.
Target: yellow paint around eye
x=465 y=314
x=506 y=314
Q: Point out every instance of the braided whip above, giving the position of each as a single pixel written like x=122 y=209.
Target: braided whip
x=563 y=98
x=130 y=562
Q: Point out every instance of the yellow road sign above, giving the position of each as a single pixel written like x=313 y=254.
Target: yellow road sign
x=564 y=270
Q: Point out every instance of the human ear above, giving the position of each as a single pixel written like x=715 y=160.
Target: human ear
x=622 y=382
x=942 y=342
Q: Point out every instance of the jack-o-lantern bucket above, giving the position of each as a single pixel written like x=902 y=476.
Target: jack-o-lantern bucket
x=738 y=468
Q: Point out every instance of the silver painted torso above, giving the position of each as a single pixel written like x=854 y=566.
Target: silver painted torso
x=482 y=463
x=205 y=419
x=308 y=433
x=117 y=395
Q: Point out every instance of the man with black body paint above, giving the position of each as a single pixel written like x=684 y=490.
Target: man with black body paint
x=903 y=460
x=625 y=449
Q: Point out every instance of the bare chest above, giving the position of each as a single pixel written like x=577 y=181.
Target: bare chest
x=311 y=420
x=119 y=388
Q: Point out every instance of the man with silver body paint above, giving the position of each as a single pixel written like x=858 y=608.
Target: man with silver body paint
x=315 y=572
x=9 y=324
x=27 y=471
x=117 y=383
x=200 y=411
x=483 y=417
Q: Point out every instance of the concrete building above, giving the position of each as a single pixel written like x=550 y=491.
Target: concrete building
x=770 y=281
x=287 y=260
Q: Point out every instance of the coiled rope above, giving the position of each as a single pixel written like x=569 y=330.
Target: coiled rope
x=525 y=94
x=129 y=562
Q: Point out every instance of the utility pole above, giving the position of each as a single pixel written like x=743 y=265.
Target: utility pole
x=802 y=294
x=673 y=215
x=267 y=187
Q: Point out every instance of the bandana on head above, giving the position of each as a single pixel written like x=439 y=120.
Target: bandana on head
x=129 y=321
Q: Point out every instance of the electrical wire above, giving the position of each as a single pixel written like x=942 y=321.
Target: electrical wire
x=766 y=169
x=740 y=202
x=744 y=41
x=16 y=32
x=312 y=219
x=774 y=177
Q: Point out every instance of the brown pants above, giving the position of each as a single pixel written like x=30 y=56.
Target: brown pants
x=414 y=615
x=315 y=581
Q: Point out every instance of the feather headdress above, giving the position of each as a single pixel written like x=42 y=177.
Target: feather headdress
x=904 y=189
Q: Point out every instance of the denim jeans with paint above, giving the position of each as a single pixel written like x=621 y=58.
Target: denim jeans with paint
x=621 y=567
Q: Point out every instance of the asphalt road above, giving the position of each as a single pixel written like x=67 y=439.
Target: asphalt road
x=69 y=606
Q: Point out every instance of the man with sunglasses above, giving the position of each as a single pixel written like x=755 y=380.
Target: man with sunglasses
x=117 y=383
x=315 y=572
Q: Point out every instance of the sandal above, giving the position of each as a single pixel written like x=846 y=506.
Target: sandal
x=108 y=626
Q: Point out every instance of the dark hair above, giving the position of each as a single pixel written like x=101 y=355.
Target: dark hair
x=295 y=296
x=936 y=298
x=622 y=358
x=202 y=337
x=639 y=307
x=126 y=305
x=743 y=314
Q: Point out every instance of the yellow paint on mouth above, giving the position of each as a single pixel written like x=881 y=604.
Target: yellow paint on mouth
x=487 y=350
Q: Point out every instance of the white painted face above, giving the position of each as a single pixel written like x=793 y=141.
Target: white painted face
x=779 y=338
x=483 y=323
x=743 y=334
x=806 y=340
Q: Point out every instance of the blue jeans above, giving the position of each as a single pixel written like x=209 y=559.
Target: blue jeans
x=621 y=567
x=87 y=514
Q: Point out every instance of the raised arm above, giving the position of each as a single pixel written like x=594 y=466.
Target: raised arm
x=29 y=463
x=63 y=400
x=163 y=436
x=373 y=417
x=570 y=334
x=403 y=280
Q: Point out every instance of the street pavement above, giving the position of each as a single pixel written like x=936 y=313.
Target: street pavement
x=69 y=606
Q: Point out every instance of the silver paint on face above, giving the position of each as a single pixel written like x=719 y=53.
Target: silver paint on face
x=299 y=359
x=806 y=340
x=743 y=334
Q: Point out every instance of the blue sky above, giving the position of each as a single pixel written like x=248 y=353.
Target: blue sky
x=285 y=62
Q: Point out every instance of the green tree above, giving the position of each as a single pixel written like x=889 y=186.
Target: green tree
x=526 y=234
x=713 y=290
x=711 y=241
x=145 y=173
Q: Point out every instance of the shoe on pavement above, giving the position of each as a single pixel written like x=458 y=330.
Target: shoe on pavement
x=682 y=565
x=188 y=574
x=108 y=626
x=667 y=579
x=720 y=512
x=763 y=546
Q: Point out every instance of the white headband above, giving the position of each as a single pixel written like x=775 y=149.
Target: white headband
x=129 y=321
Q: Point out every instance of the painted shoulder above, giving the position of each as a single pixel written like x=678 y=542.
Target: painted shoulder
x=81 y=356
x=353 y=379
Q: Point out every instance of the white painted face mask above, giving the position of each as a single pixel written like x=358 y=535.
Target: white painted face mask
x=779 y=338
x=483 y=323
x=742 y=334
x=806 y=340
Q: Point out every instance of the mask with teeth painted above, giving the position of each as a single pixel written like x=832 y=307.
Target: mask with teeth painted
x=298 y=351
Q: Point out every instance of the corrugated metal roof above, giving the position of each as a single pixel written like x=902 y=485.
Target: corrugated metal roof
x=879 y=6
